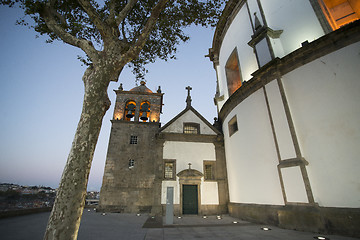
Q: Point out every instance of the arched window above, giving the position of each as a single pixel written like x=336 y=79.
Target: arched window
x=144 y=111
x=232 y=70
x=130 y=110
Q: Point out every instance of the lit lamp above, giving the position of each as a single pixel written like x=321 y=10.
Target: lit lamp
x=265 y=229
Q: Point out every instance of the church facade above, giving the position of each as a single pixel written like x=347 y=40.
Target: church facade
x=285 y=150
x=144 y=159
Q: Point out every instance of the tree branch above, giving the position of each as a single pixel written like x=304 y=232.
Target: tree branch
x=111 y=18
x=125 y=11
x=135 y=50
x=95 y=18
x=49 y=14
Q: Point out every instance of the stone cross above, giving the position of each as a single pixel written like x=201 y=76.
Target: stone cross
x=188 y=99
x=189 y=165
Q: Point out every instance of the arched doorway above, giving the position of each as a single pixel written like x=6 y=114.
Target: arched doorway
x=190 y=200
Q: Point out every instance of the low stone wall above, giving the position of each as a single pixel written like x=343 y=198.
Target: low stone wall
x=341 y=221
x=21 y=212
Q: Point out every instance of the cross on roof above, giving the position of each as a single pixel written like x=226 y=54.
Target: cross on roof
x=189 y=165
x=188 y=99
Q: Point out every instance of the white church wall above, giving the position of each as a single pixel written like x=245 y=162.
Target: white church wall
x=175 y=185
x=209 y=193
x=250 y=154
x=324 y=101
x=189 y=116
x=237 y=36
x=263 y=52
x=283 y=136
x=294 y=185
x=296 y=18
x=185 y=153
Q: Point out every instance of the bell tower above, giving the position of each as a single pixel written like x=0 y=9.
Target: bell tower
x=133 y=168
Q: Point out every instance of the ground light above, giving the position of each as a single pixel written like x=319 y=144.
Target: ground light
x=218 y=217
x=179 y=217
x=138 y=214
x=265 y=228
x=235 y=222
x=321 y=238
x=204 y=217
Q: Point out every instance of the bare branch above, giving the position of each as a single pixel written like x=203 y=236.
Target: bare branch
x=135 y=50
x=95 y=18
x=125 y=11
x=49 y=16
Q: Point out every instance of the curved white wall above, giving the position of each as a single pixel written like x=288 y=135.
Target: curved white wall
x=237 y=36
x=296 y=18
x=324 y=98
x=250 y=154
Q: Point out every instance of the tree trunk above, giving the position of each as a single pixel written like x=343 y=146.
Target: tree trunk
x=66 y=214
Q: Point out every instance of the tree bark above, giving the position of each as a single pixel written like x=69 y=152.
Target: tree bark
x=66 y=214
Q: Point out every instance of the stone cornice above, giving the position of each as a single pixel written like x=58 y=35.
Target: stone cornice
x=121 y=121
x=137 y=93
x=331 y=42
x=190 y=137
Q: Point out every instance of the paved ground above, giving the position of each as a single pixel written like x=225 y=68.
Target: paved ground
x=129 y=226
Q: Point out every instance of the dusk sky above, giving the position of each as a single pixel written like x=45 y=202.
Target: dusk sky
x=42 y=94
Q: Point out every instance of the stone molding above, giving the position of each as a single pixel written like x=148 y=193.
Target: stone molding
x=190 y=137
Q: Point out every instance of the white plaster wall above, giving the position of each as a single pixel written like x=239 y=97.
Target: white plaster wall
x=209 y=193
x=277 y=47
x=175 y=185
x=238 y=35
x=294 y=185
x=189 y=116
x=324 y=98
x=250 y=154
x=194 y=153
x=281 y=126
x=296 y=18
x=263 y=52
x=219 y=103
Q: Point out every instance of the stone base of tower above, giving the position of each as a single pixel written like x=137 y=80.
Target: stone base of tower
x=127 y=201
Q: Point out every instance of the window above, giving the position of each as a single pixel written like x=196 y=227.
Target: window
x=233 y=126
x=209 y=170
x=191 y=128
x=133 y=139
x=232 y=71
x=169 y=169
x=340 y=12
x=131 y=163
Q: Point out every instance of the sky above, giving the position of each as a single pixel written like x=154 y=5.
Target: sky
x=42 y=93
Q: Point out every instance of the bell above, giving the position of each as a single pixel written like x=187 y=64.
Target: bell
x=144 y=116
x=129 y=114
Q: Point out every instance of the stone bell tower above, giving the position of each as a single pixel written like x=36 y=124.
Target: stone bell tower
x=133 y=168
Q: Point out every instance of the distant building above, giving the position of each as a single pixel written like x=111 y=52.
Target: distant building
x=286 y=150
